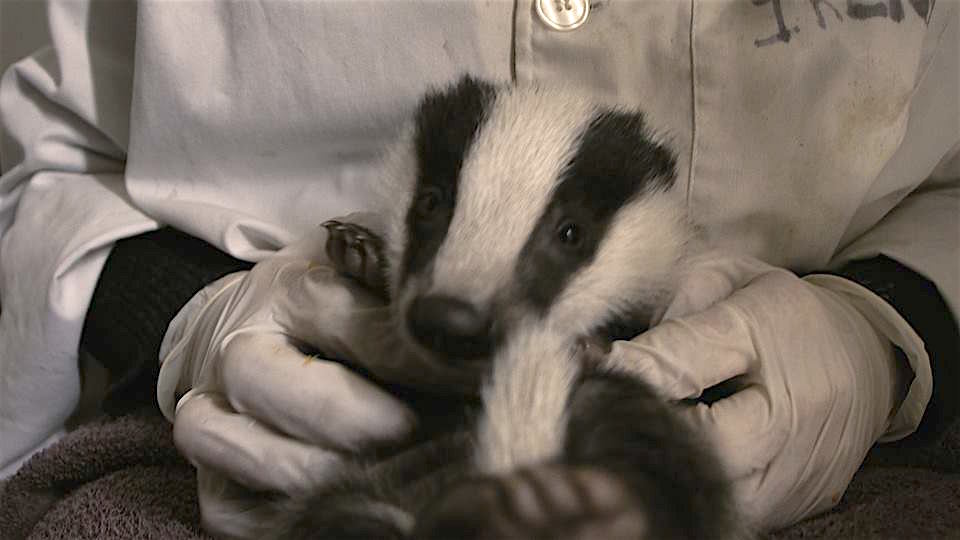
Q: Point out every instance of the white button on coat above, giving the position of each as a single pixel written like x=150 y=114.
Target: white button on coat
x=563 y=15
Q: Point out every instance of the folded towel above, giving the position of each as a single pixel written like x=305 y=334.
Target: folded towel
x=112 y=478
x=123 y=478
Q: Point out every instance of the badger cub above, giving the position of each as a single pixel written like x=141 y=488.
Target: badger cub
x=519 y=226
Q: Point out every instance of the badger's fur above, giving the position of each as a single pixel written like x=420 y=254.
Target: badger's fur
x=521 y=224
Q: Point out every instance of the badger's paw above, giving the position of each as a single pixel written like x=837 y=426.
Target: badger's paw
x=356 y=252
x=548 y=501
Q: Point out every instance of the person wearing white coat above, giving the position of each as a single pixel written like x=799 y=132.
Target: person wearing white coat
x=812 y=137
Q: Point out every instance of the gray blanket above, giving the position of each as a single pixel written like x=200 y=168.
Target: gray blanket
x=122 y=478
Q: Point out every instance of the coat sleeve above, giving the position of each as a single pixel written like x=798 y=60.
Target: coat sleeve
x=64 y=113
x=145 y=282
x=911 y=257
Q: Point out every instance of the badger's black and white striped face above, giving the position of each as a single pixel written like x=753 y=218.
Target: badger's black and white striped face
x=520 y=220
x=525 y=203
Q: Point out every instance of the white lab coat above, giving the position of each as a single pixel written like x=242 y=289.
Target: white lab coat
x=807 y=136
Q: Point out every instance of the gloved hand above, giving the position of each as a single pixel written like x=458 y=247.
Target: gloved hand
x=256 y=412
x=818 y=381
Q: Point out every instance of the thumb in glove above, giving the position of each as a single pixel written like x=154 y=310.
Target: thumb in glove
x=816 y=382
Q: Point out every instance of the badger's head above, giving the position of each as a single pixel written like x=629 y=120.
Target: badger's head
x=526 y=204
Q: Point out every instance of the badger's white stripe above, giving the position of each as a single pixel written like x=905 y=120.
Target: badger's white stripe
x=507 y=178
x=525 y=400
x=396 y=187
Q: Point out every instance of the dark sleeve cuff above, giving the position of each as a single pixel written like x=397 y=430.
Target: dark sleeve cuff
x=144 y=283
x=920 y=303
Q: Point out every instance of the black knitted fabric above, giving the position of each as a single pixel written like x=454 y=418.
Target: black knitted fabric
x=920 y=303
x=144 y=283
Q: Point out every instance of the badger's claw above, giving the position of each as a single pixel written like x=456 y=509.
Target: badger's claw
x=357 y=253
x=548 y=501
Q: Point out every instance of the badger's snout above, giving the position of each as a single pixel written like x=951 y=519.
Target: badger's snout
x=449 y=327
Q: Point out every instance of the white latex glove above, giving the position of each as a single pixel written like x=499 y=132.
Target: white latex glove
x=254 y=408
x=822 y=383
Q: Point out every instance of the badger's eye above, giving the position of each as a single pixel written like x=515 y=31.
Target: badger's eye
x=427 y=203
x=569 y=234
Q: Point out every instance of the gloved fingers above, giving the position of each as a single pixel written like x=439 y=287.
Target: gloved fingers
x=745 y=429
x=320 y=307
x=710 y=277
x=771 y=504
x=683 y=357
x=213 y=436
x=312 y=399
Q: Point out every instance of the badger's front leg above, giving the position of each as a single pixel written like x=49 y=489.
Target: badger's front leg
x=547 y=501
x=373 y=500
x=620 y=426
x=629 y=468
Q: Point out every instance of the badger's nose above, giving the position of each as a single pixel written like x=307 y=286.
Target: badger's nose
x=449 y=326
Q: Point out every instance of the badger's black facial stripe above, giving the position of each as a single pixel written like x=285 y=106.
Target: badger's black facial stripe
x=615 y=162
x=446 y=124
